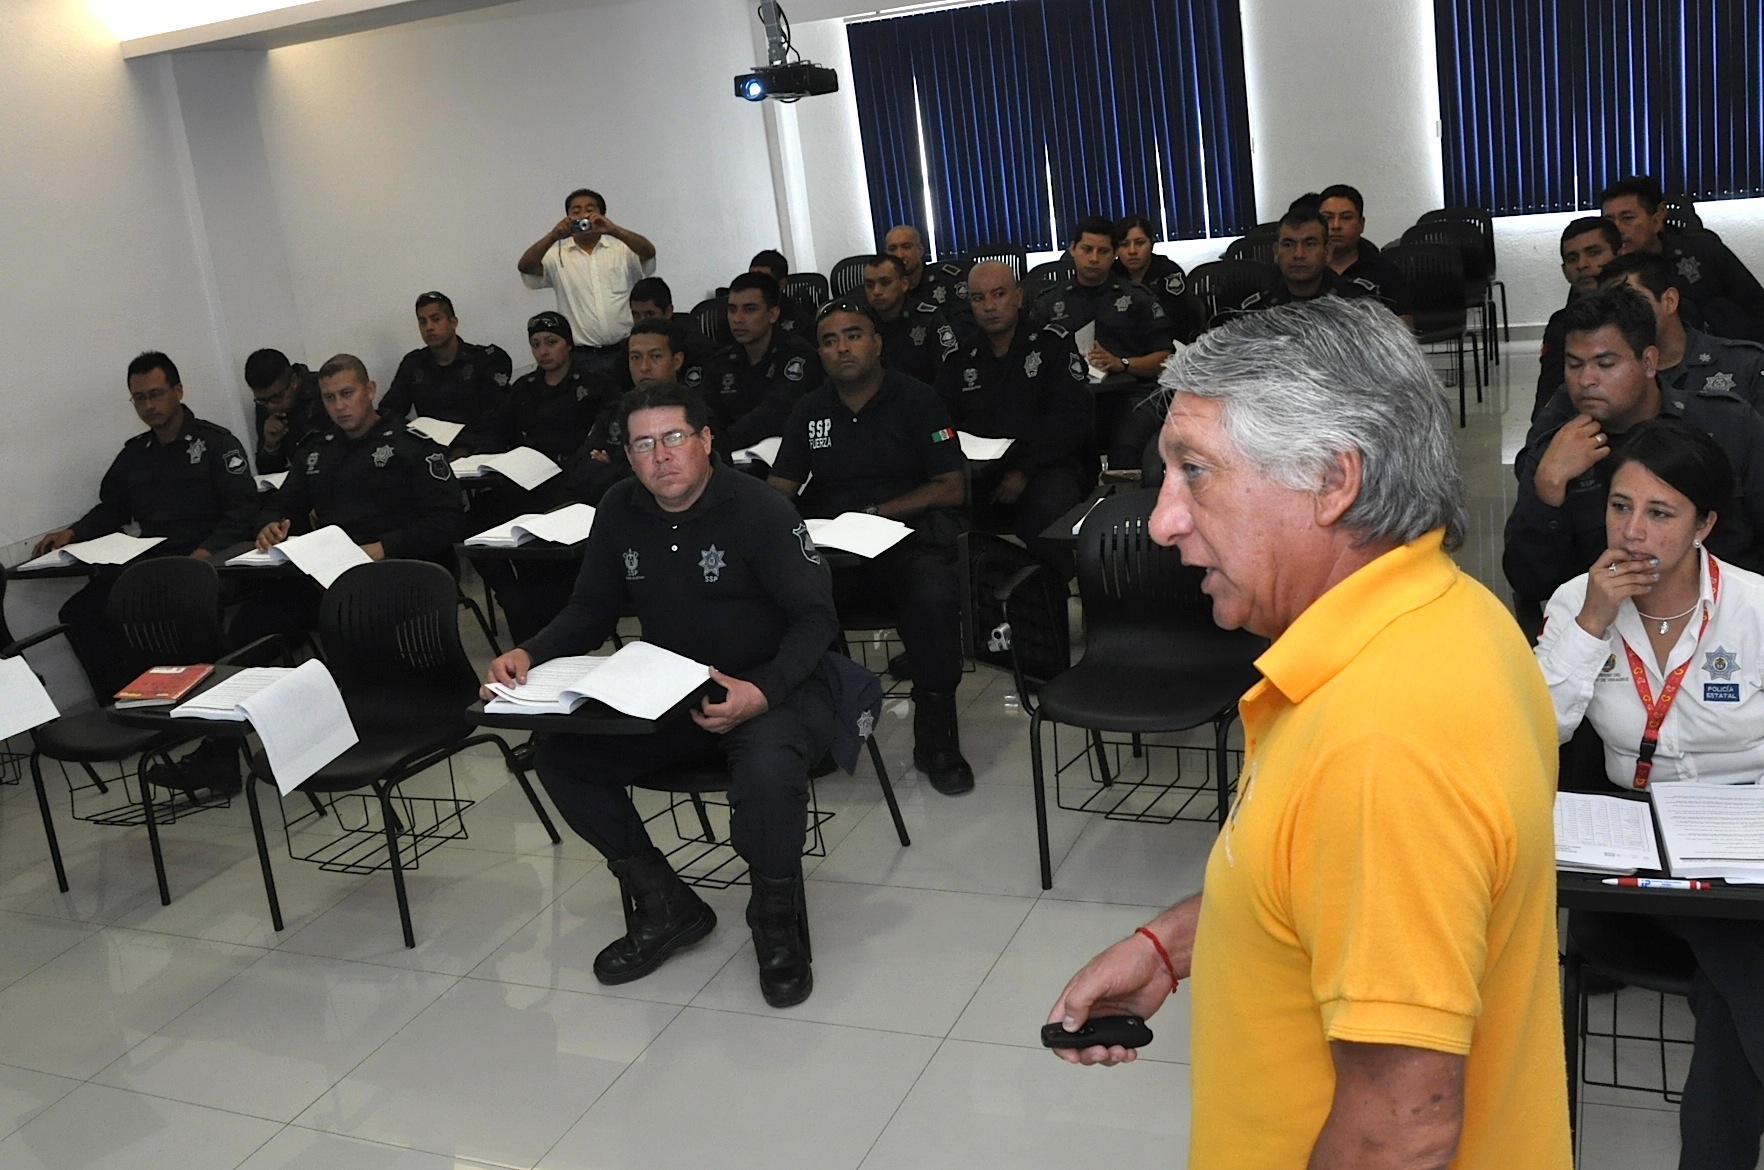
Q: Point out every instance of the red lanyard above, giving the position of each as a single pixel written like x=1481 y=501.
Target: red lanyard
x=1638 y=672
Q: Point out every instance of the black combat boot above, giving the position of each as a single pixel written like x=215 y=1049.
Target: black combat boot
x=662 y=914
x=937 y=749
x=778 y=914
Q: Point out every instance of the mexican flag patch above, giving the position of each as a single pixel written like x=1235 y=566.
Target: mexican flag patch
x=945 y=433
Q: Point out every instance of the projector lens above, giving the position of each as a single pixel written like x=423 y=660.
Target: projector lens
x=753 y=89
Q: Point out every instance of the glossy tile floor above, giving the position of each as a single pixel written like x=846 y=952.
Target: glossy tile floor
x=192 y=1036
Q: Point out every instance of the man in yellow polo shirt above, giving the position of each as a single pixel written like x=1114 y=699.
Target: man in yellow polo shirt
x=1374 y=956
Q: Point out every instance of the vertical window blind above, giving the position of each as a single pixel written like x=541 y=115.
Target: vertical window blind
x=1006 y=122
x=1544 y=102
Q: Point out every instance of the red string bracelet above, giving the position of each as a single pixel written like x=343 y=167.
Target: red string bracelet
x=1169 y=967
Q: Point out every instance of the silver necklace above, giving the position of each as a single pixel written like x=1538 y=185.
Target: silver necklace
x=1664 y=621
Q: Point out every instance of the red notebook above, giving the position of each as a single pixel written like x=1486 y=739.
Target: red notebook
x=162 y=685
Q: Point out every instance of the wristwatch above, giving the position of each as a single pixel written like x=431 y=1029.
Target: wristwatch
x=1125 y=367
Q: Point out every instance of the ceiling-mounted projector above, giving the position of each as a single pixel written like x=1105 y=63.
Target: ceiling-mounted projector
x=781 y=78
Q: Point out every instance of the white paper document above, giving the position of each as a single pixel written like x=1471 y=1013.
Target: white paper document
x=567 y=525
x=324 y=555
x=1085 y=337
x=297 y=712
x=438 y=429
x=1604 y=834
x=983 y=450
x=524 y=465
x=221 y=701
x=859 y=532
x=1712 y=830
x=24 y=703
x=272 y=482
x=118 y=548
x=642 y=679
x=766 y=451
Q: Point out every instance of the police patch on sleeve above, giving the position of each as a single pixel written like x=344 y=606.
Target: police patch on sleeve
x=501 y=378
x=1174 y=284
x=795 y=368
x=234 y=462
x=806 y=543
x=694 y=377
x=1076 y=365
x=438 y=466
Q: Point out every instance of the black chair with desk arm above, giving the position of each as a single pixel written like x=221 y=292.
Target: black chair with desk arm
x=712 y=318
x=848 y=276
x=809 y=287
x=1483 y=221
x=1012 y=256
x=1434 y=274
x=391 y=640
x=1259 y=248
x=1222 y=285
x=1153 y=663
x=1476 y=288
x=166 y=612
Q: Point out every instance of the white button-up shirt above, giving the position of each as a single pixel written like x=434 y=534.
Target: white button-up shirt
x=593 y=286
x=1714 y=732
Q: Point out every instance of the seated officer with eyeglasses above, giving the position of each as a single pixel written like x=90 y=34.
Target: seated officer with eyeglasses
x=184 y=479
x=718 y=567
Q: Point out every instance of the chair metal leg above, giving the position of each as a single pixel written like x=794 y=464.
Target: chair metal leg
x=263 y=858
x=95 y=778
x=1102 y=758
x=900 y=828
x=520 y=774
x=391 y=820
x=1040 y=799
x=704 y=824
x=1463 y=391
x=1506 y=327
x=48 y=821
x=153 y=834
x=1476 y=362
x=1138 y=746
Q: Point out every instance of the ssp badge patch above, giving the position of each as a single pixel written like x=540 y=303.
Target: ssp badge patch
x=944 y=435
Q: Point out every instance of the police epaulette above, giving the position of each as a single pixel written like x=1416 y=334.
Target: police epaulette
x=1056 y=330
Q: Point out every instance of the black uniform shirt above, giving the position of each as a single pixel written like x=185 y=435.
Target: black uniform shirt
x=1129 y=320
x=733 y=581
x=944 y=285
x=304 y=418
x=1038 y=393
x=1165 y=279
x=901 y=440
x=752 y=399
x=554 y=420
x=1281 y=294
x=196 y=491
x=391 y=485
x=1546 y=546
x=470 y=390
x=700 y=352
x=1375 y=277
x=1707 y=272
x=1716 y=364
x=918 y=341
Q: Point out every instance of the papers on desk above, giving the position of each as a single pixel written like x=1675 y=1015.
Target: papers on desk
x=642 y=679
x=1712 y=830
x=438 y=429
x=1085 y=337
x=765 y=451
x=323 y=555
x=524 y=465
x=567 y=525
x=859 y=532
x=1603 y=834
x=983 y=450
x=298 y=713
x=119 y=548
x=272 y=482
x=24 y=703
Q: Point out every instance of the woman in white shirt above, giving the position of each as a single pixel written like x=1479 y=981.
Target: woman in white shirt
x=1660 y=641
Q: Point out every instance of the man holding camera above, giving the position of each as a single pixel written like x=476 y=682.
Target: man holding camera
x=592 y=263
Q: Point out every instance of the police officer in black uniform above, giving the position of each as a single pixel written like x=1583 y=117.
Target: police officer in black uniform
x=1301 y=254
x=1159 y=275
x=944 y=285
x=288 y=408
x=881 y=442
x=652 y=299
x=1356 y=260
x=793 y=315
x=720 y=569
x=1704 y=270
x=451 y=380
x=1557 y=526
x=1690 y=359
x=1588 y=244
x=183 y=479
x=1132 y=330
x=917 y=336
x=554 y=407
x=389 y=488
x=753 y=383
x=1031 y=386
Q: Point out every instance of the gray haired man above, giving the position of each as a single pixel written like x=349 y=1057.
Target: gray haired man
x=1375 y=950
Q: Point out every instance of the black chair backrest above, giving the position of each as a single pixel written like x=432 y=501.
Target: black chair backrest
x=1063 y=268
x=1681 y=213
x=166 y=612
x=390 y=632
x=847 y=275
x=1267 y=230
x=1257 y=248
x=712 y=318
x=1478 y=217
x=1015 y=256
x=1435 y=276
x=808 y=286
x=1223 y=284
x=1039 y=626
x=1466 y=237
x=6 y=638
